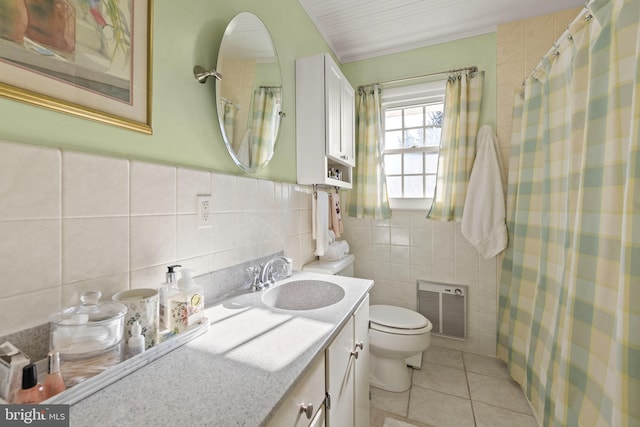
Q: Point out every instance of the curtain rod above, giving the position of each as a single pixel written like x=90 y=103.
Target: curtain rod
x=585 y=14
x=471 y=68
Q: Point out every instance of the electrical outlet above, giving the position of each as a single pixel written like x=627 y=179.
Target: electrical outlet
x=204 y=211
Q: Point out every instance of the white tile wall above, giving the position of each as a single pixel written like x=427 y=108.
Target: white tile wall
x=396 y=253
x=71 y=222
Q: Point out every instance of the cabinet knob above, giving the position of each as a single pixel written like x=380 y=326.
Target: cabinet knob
x=307 y=410
x=355 y=354
x=359 y=345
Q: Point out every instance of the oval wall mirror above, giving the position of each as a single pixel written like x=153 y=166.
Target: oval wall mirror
x=249 y=95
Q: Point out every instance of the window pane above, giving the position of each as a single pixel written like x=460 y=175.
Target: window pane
x=393 y=119
x=413 y=117
x=394 y=186
x=431 y=185
x=393 y=140
x=431 y=163
x=413 y=138
x=413 y=163
x=433 y=137
x=393 y=164
x=435 y=115
x=413 y=186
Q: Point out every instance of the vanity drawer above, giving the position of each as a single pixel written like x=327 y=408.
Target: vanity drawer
x=309 y=391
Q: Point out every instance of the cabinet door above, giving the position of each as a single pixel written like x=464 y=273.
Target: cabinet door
x=319 y=419
x=308 y=392
x=348 y=122
x=333 y=105
x=340 y=378
x=361 y=327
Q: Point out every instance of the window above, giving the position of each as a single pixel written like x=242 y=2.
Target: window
x=412 y=127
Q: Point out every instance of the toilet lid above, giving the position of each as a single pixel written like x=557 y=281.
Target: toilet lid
x=396 y=317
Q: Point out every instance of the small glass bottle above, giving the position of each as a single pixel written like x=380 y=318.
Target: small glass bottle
x=32 y=391
x=53 y=382
x=136 y=341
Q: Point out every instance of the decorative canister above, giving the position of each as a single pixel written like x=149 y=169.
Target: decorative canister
x=89 y=337
x=142 y=306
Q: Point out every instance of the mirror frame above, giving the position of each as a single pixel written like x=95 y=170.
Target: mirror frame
x=231 y=27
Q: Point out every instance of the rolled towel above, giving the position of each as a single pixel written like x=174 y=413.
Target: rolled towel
x=322 y=222
x=337 y=250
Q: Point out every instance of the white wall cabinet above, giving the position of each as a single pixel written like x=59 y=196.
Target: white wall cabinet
x=347 y=372
x=325 y=122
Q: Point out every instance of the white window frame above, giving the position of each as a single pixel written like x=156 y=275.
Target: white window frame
x=425 y=93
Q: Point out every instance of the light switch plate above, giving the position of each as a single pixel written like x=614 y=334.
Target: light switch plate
x=204 y=210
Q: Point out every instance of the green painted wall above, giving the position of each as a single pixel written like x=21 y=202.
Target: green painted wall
x=479 y=51
x=185 y=126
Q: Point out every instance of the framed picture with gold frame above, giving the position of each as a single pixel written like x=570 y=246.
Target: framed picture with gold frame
x=89 y=58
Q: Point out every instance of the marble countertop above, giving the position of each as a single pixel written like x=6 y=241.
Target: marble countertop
x=235 y=374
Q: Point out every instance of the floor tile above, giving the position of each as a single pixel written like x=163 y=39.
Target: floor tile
x=379 y=417
x=443 y=356
x=498 y=392
x=491 y=416
x=443 y=379
x=440 y=409
x=485 y=365
x=454 y=389
x=396 y=403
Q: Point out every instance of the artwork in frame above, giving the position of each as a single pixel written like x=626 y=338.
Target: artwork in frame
x=90 y=58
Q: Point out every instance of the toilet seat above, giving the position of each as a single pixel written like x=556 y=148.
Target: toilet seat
x=397 y=320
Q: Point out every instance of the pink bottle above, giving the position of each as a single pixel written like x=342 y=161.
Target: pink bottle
x=32 y=391
x=53 y=382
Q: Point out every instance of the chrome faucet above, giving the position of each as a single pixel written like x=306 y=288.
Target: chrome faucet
x=265 y=278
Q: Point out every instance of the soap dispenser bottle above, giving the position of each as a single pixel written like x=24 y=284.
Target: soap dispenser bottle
x=187 y=305
x=165 y=292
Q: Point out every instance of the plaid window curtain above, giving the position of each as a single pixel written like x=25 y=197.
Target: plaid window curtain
x=569 y=298
x=266 y=120
x=368 y=198
x=462 y=101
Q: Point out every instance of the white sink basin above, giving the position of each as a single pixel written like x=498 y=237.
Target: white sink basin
x=303 y=295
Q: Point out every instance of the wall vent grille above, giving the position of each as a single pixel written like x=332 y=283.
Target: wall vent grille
x=445 y=306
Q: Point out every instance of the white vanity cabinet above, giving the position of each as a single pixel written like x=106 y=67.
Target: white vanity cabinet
x=347 y=372
x=304 y=405
x=325 y=122
x=342 y=372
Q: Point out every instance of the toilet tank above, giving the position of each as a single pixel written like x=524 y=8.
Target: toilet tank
x=342 y=267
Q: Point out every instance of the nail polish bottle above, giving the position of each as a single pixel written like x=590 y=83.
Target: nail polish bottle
x=32 y=391
x=53 y=382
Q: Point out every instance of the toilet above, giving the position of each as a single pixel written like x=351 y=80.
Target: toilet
x=397 y=336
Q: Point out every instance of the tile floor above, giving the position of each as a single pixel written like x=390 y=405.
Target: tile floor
x=454 y=389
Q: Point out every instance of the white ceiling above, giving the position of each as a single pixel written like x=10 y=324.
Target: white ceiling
x=361 y=29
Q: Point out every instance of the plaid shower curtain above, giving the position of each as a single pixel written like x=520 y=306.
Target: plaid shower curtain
x=368 y=198
x=267 y=103
x=569 y=298
x=462 y=102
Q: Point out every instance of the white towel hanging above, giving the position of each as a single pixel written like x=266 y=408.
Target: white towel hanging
x=483 y=218
x=321 y=219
